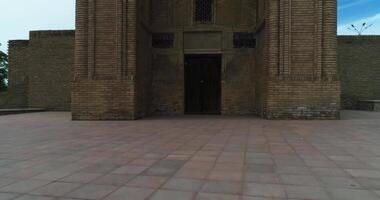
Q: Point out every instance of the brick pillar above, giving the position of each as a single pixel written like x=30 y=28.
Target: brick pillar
x=103 y=87
x=302 y=48
x=81 y=40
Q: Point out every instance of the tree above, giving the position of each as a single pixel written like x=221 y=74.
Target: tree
x=3 y=71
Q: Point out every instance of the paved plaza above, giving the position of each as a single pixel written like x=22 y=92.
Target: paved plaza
x=45 y=156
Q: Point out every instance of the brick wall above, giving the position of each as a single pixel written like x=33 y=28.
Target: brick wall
x=41 y=71
x=17 y=94
x=359 y=69
x=301 y=80
x=51 y=59
x=102 y=100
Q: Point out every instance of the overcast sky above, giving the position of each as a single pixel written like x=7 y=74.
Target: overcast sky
x=17 y=17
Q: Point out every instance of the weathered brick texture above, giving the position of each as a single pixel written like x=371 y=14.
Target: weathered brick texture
x=359 y=69
x=17 y=94
x=41 y=71
x=302 y=79
x=292 y=72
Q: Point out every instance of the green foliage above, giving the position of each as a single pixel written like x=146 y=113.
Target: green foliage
x=3 y=71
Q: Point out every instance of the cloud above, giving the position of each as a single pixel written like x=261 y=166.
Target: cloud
x=352 y=4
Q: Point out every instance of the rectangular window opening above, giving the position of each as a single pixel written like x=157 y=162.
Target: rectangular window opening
x=244 y=40
x=162 y=40
x=203 y=11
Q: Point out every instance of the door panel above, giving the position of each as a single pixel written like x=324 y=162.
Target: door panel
x=203 y=84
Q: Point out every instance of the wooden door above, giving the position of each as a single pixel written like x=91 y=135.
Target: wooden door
x=203 y=84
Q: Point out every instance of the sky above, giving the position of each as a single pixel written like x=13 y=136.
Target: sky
x=17 y=17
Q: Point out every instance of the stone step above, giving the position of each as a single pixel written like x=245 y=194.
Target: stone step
x=20 y=111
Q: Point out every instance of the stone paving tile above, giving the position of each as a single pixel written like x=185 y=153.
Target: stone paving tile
x=340 y=182
x=130 y=169
x=270 y=178
x=81 y=177
x=147 y=181
x=192 y=173
x=211 y=196
x=306 y=192
x=113 y=179
x=369 y=183
x=56 y=189
x=92 y=192
x=225 y=187
x=303 y=180
x=181 y=184
x=170 y=194
x=6 y=181
x=52 y=175
x=363 y=173
x=130 y=193
x=24 y=186
x=189 y=157
x=222 y=175
x=7 y=196
x=34 y=197
x=258 y=198
x=23 y=173
x=264 y=190
x=349 y=194
x=336 y=172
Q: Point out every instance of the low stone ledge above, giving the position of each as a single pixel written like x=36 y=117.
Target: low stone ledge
x=20 y=111
x=369 y=105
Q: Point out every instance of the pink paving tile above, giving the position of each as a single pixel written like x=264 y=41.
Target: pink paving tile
x=228 y=156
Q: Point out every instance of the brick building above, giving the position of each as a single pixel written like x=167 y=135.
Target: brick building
x=273 y=58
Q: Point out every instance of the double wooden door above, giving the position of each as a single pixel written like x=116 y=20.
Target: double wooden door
x=202 y=84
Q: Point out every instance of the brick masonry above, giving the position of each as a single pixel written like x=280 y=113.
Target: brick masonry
x=41 y=71
x=292 y=73
x=359 y=69
x=297 y=75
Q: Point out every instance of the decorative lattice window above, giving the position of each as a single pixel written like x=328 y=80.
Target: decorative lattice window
x=162 y=40
x=244 y=40
x=203 y=11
